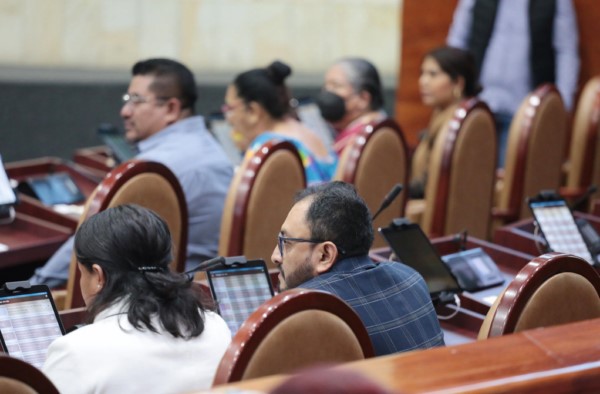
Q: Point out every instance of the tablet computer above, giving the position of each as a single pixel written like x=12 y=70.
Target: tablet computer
x=558 y=227
x=239 y=289
x=29 y=322
x=52 y=189
x=121 y=149
x=412 y=247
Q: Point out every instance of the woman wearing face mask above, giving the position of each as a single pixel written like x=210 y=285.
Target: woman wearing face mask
x=448 y=75
x=351 y=98
x=257 y=106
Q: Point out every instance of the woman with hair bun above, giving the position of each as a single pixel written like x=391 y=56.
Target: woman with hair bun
x=149 y=331
x=448 y=76
x=257 y=106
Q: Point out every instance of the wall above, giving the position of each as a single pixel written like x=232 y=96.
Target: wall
x=64 y=64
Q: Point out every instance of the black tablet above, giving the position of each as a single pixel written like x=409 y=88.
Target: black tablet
x=412 y=247
x=29 y=322
x=557 y=224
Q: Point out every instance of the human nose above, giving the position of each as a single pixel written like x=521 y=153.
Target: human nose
x=276 y=257
x=126 y=110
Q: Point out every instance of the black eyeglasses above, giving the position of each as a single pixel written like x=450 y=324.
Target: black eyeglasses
x=281 y=240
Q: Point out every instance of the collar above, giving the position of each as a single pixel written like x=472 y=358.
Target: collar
x=181 y=126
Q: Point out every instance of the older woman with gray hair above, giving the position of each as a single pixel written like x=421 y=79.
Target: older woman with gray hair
x=352 y=97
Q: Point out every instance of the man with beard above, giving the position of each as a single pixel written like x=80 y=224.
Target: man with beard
x=324 y=243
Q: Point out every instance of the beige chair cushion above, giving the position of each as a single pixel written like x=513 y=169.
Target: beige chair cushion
x=336 y=344
x=12 y=386
x=564 y=298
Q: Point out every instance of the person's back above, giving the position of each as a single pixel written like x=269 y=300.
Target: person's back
x=150 y=330
x=324 y=244
x=110 y=356
x=391 y=298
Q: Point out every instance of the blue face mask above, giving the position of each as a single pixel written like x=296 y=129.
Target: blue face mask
x=331 y=105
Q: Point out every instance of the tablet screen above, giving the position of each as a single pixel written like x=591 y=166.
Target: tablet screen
x=558 y=226
x=413 y=248
x=239 y=291
x=28 y=323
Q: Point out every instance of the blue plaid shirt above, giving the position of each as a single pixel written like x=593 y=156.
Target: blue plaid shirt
x=391 y=298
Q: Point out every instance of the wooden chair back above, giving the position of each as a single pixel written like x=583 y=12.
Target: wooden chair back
x=552 y=289
x=148 y=184
x=295 y=329
x=374 y=161
x=461 y=174
x=259 y=199
x=534 y=154
x=20 y=377
x=584 y=154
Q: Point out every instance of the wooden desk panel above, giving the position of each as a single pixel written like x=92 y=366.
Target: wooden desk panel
x=97 y=158
x=565 y=358
x=30 y=239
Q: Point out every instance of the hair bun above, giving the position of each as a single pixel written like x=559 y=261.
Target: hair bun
x=278 y=71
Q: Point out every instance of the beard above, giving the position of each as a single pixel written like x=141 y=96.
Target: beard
x=295 y=278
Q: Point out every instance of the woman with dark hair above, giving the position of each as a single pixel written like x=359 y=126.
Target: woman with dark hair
x=448 y=75
x=351 y=98
x=149 y=330
x=257 y=105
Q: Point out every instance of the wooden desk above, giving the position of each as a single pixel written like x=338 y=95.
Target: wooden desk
x=464 y=326
x=561 y=359
x=521 y=235
x=38 y=231
x=97 y=158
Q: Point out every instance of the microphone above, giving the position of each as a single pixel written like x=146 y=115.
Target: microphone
x=215 y=262
x=388 y=199
x=581 y=200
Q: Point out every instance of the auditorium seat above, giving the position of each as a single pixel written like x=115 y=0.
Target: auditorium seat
x=149 y=184
x=295 y=329
x=374 y=161
x=259 y=199
x=461 y=174
x=20 y=377
x=552 y=289
x=583 y=169
x=534 y=154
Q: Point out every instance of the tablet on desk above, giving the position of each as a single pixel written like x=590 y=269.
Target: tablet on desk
x=239 y=290
x=558 y=226
x=29 y=323
x=469 y=270
x=52 y=189
x=121 y=149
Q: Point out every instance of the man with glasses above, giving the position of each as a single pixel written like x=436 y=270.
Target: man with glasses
x=158 y=115
x=324 y=244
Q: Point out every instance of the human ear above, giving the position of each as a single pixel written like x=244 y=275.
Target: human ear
x=327 y=255
x=98 y=273
x=173 y=106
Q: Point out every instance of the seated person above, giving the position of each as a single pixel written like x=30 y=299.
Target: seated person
x=149 y=330
x=258 y=108
x=324 y=245
x=448 y=75
x=352 y=98
x=158 y=113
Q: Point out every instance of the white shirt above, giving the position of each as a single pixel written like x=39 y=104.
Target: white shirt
x=110 y=356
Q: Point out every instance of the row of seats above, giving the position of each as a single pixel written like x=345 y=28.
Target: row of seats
x=552 y=289
x=464 y=192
